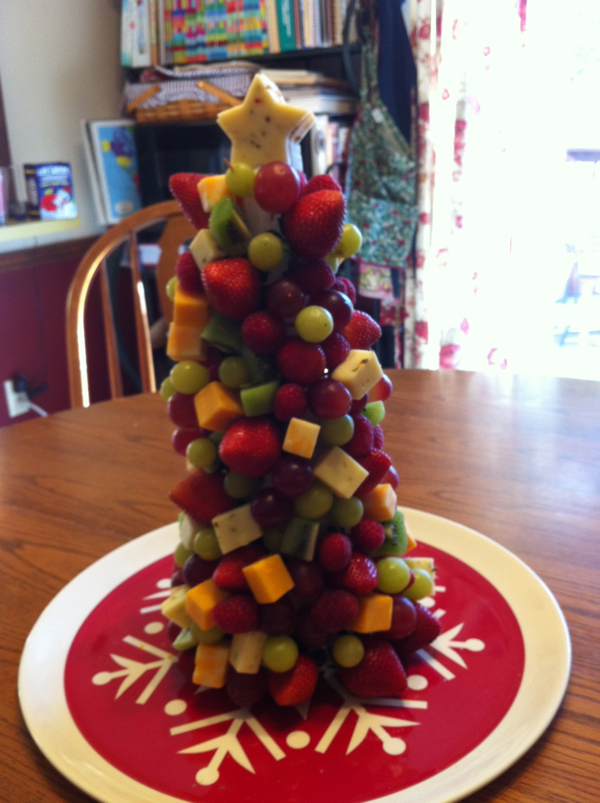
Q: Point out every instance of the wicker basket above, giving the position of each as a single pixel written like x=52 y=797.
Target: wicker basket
x=180 y=110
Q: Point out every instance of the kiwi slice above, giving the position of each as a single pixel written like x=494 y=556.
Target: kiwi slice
x=259 y=399
x=227 y=227
x=261 y=369
x=185 y=640
x=396 y=538
x=300 y=538
x=223 y=333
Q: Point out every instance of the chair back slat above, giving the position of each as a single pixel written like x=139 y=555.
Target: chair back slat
x=110 y=339
x=142 y=329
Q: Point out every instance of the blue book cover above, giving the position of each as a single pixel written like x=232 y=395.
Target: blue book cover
x=117 y=165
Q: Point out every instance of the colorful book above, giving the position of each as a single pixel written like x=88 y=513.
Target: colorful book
x=135 y=33
x=286 y=25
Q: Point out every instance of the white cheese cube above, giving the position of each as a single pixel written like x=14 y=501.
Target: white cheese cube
x=236 y=528
x=301 y=438
x=340 y=472
x=359 y=372
x=246 y=651
x=204 y=249
x=174 y=607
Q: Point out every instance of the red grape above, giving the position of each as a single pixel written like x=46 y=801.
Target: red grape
x=382 y=390
x=404 y=618
x=183 y=437
x=276 y=187
x=292 y=476
x=391 y=478
x=276 y=618
x=359 y=405
x=290 y=402
x=182 y=411
x=338 y=305
x=328 y=399
x=270 y=508
x=307 y=576
x=285 y=299
x=196 y=570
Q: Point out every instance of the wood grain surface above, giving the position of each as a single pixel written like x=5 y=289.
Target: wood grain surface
x=516 y=458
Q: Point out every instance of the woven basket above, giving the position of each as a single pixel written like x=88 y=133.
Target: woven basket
x=180 y=110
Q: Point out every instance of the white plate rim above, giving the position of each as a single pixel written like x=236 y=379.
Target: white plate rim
x=545 y=676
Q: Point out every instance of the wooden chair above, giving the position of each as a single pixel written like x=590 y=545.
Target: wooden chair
x=176 y=230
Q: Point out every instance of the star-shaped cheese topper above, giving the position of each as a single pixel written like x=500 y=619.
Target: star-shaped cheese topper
x=261 y=128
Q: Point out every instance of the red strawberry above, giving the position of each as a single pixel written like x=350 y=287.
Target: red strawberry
x=300 y=361
x=368 y=535
x=295 y=686
x=361 y=443
x=322 y=182
x=313 y=276
x=251 y=446
x=336 y=349
x=308 y=632
x=228 y=573
x=263 y=333
x=377 y=464
x=335 y=610
x=427 y=629
x=290 y=402
x=344 y=285
x=184 y=188
x=360 y=575
x=379 y=674
x=335 y=551
x=362 y=331
x=188 y=274
x=314 y=225
x=277 y=618
x=233 y=287
x=237 y=614
x=378 y=437
x=244 y=689
x=202 y=496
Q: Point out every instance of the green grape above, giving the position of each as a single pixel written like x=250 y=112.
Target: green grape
x=181 y=554
x=265 y=251
x=394 y=575
x=239 y=487
x=280 y=653
x=233 y=372
x=240 y=179
x=210 y=636
x=346 y=513
x=189 y=377
x=348 y=651
x=375 y=412
x=350 y=242
x=216 y=438
x=421 y=587
x=213 y=467
x=314 y=503
x=336 y=431
x=201 y=453
x=333 y=262
x=206 y=544
x=314 y=324
x=166 y=389
x=272 y=538
x=171 y=287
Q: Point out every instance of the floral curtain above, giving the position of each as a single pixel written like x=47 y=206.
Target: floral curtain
x=468 y=56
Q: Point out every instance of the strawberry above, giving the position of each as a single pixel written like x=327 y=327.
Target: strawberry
x=184 y=188
x=378 y=437
x=228 y=573
x=360 y=575
x=300 y=361
x=362 y=331
x=367 y=535
x=233 y=287
x=377 y=464
x=313 y=276
x=188 y=274
x=315 y=224
x=308 y=632
x=361 y=442
x=344 y=285
x=290 y=402
x=322 y=182
x=263 y=333
x=295 y=686
x=379 y=674
x=202 y=496
x=336 y=349
x=251 y=446
x=335 y=551
x=427 y=629
x=244 y=689
x=236 y=614
x=335 y=610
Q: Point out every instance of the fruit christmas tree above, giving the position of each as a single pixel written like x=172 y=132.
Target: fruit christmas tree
x=292 y=553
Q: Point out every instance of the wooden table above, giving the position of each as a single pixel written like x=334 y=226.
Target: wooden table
x=515 y=458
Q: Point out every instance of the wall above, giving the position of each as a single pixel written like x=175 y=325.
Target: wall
x=59 y=62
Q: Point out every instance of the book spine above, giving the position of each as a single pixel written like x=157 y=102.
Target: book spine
x=285 y=22
x=153 y=18
x=168 y=32
x=272 y=27
x=141 y=33
x=178 y=21
x=297 y=5
x=126 y=37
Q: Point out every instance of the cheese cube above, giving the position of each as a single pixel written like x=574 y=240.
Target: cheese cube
x=246 y=651
x=427 y=564
x=374 y=614
x=211 y=189
x=359 y=372
x=412 y=541
x=340 y=472
x=188 y=528
x=268 y=579
x=200 y=602
x=185 y=343
x=190 y=309
x=380 y=503
x=210 y=668
x=217 y=407
x=236 y=528
x=204 y=249
x=174 y=607
x=301 y=438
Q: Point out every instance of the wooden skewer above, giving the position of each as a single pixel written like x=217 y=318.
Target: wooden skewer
x=149 y=93
x=218 y=93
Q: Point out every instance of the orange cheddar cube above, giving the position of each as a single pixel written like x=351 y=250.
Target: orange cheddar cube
x=217 y=407
x=374 y=614
x=190 y=309
x=301 y=438
x=211 y=189
x=200 y=602
x=412 y=541
x=268 y=579
x=185 y=343
x=210 y=668
x=380 y=503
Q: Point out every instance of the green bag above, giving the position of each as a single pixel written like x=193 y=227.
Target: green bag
x=381 y=178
